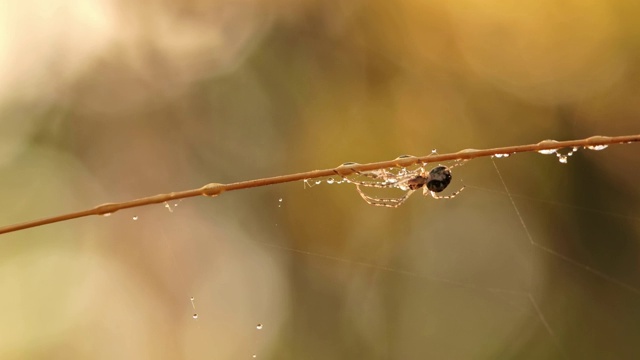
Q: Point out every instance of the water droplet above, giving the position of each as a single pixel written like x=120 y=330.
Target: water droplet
x=405 y=156
x=345 y=169
x=195 y=316
x=547 y=143
x=330 y=181
x=501 y=155
x=563 y=159
x=597 y=147
x=106 y=214
x=598 y=138
x=212 y=189
x=192 y=298
x=547 y=152
x=259 y=326
x=318 y=182
x=254 y=356
x=467 y=151
x=434 y=151
x=135 y=217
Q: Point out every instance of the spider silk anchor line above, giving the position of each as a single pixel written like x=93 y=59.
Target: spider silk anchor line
x=215 y=189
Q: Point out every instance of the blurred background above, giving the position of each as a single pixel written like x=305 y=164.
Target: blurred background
x=110 y=100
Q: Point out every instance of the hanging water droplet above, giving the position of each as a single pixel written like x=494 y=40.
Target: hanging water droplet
x=597 y=147
x=318 y=182
x=166 y=205
x=106 y=214
x=434 y=151
x=501 y=155
x=254 y=356
x=330 y=181
x=135 y=217
x=259 y=326
x=195 y=316
x=563 y=159
x=192 y=298
x=547 y=152
x=573 y=151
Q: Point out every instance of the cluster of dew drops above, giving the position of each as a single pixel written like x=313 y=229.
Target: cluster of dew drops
x=402 y=171
x=562 y=158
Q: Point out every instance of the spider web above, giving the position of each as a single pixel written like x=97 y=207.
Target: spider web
x=543 y=328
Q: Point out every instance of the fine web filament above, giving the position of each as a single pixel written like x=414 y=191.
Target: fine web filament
x=555 y=253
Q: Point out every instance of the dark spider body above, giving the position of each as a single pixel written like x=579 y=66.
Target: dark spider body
x=439 y=178
x=436 y=180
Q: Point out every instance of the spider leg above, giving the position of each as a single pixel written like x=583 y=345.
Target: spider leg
x=390 y=180
x=374 y=184
x=392 y=202
x=427 y=192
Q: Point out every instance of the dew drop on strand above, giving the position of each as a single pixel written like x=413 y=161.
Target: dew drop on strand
x=135 y=217
x=597 y=147
x=106 y=214
x=318 y=182
x=547 y=152
x=254 y=356
x=259 y=326
x=195 y=316
x=330 y=181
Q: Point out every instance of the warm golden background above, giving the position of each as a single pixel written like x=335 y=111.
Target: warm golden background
x=111 y=100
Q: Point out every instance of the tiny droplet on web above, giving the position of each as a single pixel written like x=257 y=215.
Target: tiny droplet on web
x=259 y=326
x=330 y=181
x=563 y=159
x=195 y=316
x=106 y=214
x=254 y=356
x=318 y=182
x=135 y=217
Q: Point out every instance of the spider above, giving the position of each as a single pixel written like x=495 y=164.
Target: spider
x=436 y=180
